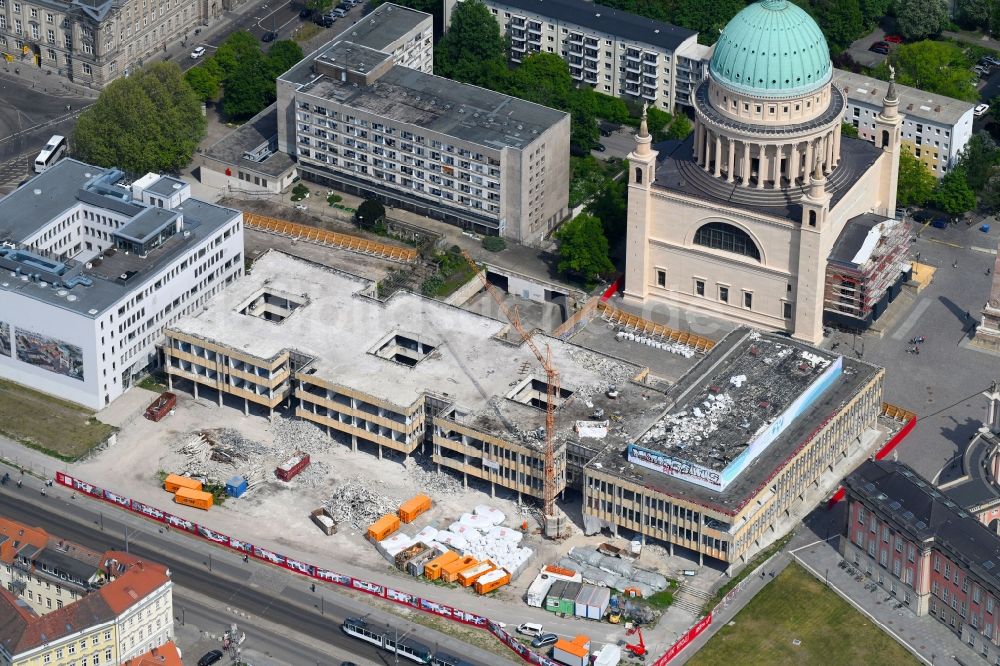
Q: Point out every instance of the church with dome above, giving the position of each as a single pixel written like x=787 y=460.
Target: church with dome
x=766 y=214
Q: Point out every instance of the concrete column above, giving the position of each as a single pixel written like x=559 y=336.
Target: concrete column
x=354 y=446
x=170 y=381
x=762 y=164
x=699 y=145
x=776 y=168
x=745 y=165
x=793 y=164
x=731 y=154
x=836 y=147
x=246 y=407
x=465 y=479
x=829 y=153
x=493 y=489
x=671 y=549
x=220 y=396
x=707 y=164
x=380 y=452
x=718 y=155
x=196 y=390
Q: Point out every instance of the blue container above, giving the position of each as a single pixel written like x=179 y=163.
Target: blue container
x=236 y=486
x=985 y=228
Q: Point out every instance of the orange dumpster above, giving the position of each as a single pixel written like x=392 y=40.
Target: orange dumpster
x=413 y=507
x=174 y=482
x=470 y=575
x=196 y=498
x=491 y=580
x=432 y=570
x=383 y=527
x=450 y=571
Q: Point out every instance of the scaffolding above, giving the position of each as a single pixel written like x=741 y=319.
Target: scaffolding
x=855 y=289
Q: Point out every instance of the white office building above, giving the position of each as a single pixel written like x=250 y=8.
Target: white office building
x=615 y=52
x=935 y=128
x=356 y=116
x=92 y=271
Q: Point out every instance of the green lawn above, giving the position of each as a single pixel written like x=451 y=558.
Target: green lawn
x=797 y=606
x=60 y=429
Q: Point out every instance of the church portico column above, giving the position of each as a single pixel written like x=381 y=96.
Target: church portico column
x=745 y=164
x=707 y=152
x=776 y=168
x=699 y=138
x=809 y=161
x=731 y=164
x=836 y=147
x=718 y=156
x=761 y=165
x=829 y=153
x=793 y=164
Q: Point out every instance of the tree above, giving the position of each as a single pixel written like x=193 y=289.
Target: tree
x=610 y=206
x=978 y=159
x=916 y=182
x=841 y=21
x=233 y=51
x=583 y=248
x=282 y=56
x=679 y=127
x=318 y=6
x=977 y=14
x=657 y=122
x=937 y=67
x=873 y=10
x=990 y=195
x=150 y=121
x=473 y=46
x=707 y=17
x=921 y=18
x=205 y=84
x=847 y=129
x=249 y=89
x=544 y=78
x=953 y=194
x=369 y=213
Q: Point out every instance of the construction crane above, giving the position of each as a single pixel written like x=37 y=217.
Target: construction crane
x=552 y=387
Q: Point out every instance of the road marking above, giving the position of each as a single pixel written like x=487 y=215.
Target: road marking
x=983 y=249
x=911 y=321
x=935 y=240
x=813 y=543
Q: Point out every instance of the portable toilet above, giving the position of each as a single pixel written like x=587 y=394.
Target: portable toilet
x=236 y=486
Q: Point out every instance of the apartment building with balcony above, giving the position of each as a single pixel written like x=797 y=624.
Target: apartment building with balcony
x=935 y=128
x=614 y=52
x=93 y=43
x=357 y=120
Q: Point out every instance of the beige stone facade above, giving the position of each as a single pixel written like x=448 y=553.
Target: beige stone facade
x=738 y=221
x=94 y=44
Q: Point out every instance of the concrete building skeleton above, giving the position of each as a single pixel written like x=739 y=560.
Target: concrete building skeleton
x=419 y=377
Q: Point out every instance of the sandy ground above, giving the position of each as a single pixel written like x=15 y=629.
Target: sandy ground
x=276 y=514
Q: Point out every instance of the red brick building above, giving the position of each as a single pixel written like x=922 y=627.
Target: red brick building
x=929 y=552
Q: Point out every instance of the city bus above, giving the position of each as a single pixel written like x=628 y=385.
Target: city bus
x=51 y=153
x=387 y=639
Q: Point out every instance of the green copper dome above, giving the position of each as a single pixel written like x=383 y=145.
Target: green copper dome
x=772 y=48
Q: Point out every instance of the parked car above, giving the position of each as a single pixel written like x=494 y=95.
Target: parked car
x=894 y=39
x=993 y=60
x=981 y=71
x=210 y=658
x=339 y=13
x=198 y=52
x=879 y=47
x=600 y=147
x=544 y=640
x=269 y=36
x=940 y=223
x=529 y=629
x=980 y=110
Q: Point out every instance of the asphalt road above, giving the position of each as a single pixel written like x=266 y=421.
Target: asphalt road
x=227 y=584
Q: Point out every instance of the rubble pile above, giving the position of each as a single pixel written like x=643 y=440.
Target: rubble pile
x=316 y=475
x=354 y=503
x=292 y=435
x=430 y=482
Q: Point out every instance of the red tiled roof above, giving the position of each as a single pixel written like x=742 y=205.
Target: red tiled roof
x=165 y=655
x=22 y=629
x=17 y=536
x=138 y=581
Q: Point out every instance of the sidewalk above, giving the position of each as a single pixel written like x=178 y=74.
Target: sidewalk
x=972 y=38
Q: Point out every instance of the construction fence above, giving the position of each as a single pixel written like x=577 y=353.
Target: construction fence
x=336 y=239
x=645 y=327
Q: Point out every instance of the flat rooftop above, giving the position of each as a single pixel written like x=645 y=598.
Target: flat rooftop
x=383 y=26
x=967 y=479
x=360 y=342
x=427 y=102
x=352 y=56
x=859 y=238
x=913 y=102
x=260 y=130
x=606 y=21
x=87 y=286
x=773 y=381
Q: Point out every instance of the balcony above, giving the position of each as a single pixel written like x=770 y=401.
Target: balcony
x=649 y=93
x=591 y=67
x=575 y=38
x=518 y=47
x=575 y=49
x=576 y=73
x=590 y=52
x=632 y=68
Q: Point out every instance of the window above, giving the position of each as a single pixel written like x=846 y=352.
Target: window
x=699 y=287
x=726 y=237
x=87 y=69
x=748 y=300
x=724 y=294
x=786 y=308
x=661 y=278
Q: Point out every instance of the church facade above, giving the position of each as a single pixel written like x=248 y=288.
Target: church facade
x=739 y=220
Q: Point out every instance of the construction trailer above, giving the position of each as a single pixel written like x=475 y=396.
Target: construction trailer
x=175 y=482
x=491 y=580
x=383 y=527
x=413 y=507
x=575 y=652
x=592 y=602
x=450 y=571
x=538 y=590
x=562 y=597
x=472 y=574
x=199 y=499
x=432 y=570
